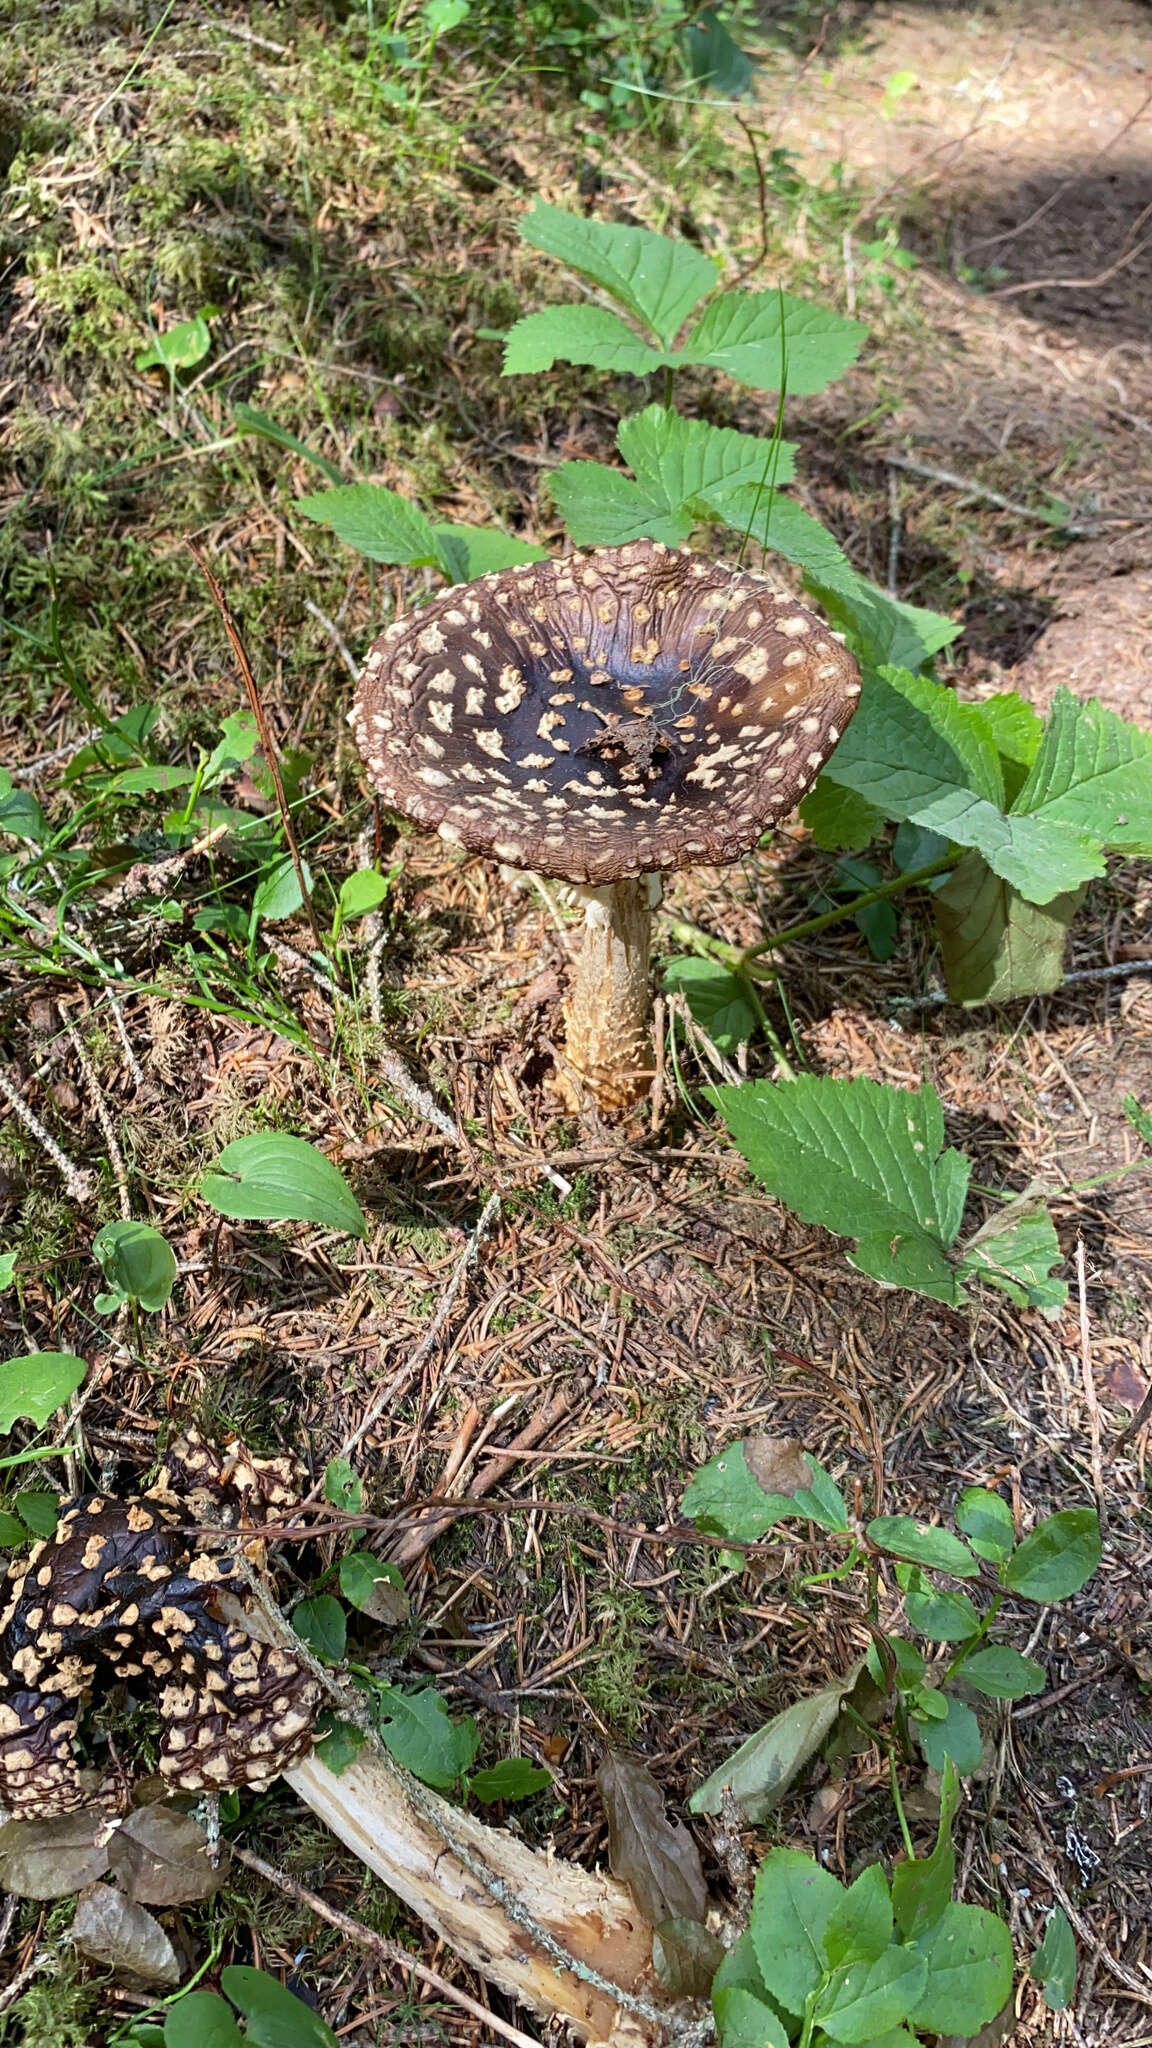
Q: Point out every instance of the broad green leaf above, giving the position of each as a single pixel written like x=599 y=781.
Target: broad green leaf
x=1016 y=730
x=928 y=1703
x=247 y=420
x=418 y=1730
x=319 y=1619
x=181 y=348
x=761 y=1770
x=939 y=1613
x=771 y=340
x=513 y=1778
x=343 y=1486
x=375 y=1587
x=8 y=1263
x=239 y=740
x=1092 y=775
x=986 y=1520
x=201 y=2020
x=792 y=1904
x=146 y=781
x=378 y=523
x=603 y=508
x=714 y=60
x=969 y=1958
x=137 y=1262
x=772 y=521
x=862 y=2000
x=1003 y=1674
x=957 y=1737
x=859 y=1927
x=907 y=1659
x=880 y=628
x=838 y=819
x=39 y=1511
x=678 y=461
x=20 y=814
x=11 y=1531
x=36 y=1384
x=578 y=334
x=1015 y=1250
x=275 y=2017
x=1054 y=1964
x=273 y=1177
x=922 y=1886
x=994 y=944
x=747 y=1488
x=861 y=1159
x=338 y=1743
x=1058 y=1557
x=822 y=1501
x=740 y=1971
x=745 y=2021
x=363 y=892
x=488 y=548
x=277 y=893
x=717 y=999
x=900 y=1536
x=656 y=278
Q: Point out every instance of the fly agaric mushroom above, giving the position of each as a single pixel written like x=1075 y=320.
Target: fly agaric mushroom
x=602 y=720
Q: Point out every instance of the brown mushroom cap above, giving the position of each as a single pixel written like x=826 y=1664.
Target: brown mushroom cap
x=627 y=712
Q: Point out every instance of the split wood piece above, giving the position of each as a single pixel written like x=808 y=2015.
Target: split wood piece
x=416 y=1542
x=565 y=1942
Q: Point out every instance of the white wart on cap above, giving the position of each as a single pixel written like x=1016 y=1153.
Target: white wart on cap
x=632 y=711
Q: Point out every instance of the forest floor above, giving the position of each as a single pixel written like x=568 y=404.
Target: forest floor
x=927 y=168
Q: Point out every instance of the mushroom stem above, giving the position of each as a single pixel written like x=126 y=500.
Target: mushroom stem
x=609 y=1008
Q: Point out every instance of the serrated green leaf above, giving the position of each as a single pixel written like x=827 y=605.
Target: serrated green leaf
x=986 y=1520
x=420 y=1733
x=1016 y=730
x=1001 y=1673
x=861 y=1159
x=714 y=60
x=862 y=2000
x=379 y=524
x=138 y=1264
x=1057 y=1559
x=487 y=548
x=957 y=1737
x=922 y=1886
x=1054 y=1964
x=275 y=2017
x=1092 y=775
x=656 y=278
x=900 y=1536
x=969 y=1958
x=765 y=338
x=603 y=508
x=994 y=944
x=36 y=1384
x=1015 y=1250
x=247 y=420
x=338 y=1743
x=882 y=629
x=775 y=522
x=239 y=739
x=678 y=460
x=717 y=999
x=273 y=1177
x=759 y=1773
x=791 y=1907
x=512 y=1778
x=319 y=1620
x=940 y=1613
x=12 y=1532
x=838 y=819
x=859 y=1927
x=578 y=334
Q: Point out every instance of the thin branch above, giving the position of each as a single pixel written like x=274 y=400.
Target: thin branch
x=81 y=1185
x=1068 y=185
x=972 y=489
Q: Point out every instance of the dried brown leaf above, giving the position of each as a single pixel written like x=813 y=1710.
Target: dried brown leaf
x=160 y=1857
x=655 y=1857
x=777 y=1463
x=761 y=1770
x=686 y=1957
x=48 y=1859
x=110 y=1930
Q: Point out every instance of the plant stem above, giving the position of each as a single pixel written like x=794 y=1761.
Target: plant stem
x=879 y=894
x=898 y=1803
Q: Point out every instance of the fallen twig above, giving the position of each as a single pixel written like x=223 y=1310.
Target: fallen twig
x=81 y=1185
x=417 y=1541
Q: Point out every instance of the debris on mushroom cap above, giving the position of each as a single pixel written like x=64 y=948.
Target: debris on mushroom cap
x=122 y=1591
x=626 y=712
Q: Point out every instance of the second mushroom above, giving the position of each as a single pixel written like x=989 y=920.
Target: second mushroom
x=602 y=720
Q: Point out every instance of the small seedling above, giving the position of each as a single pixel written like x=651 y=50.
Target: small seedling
x=273 y=1177
x=138 y=1265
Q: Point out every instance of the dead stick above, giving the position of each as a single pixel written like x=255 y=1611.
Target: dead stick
x=262 y=726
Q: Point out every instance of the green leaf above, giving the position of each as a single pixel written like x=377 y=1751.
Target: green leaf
x=880 y=628
x=276 y=2019
x=777 y=523
x=1054 y=1964
x=957 y=1737
x=338 y=1743
x=277 y=893
x=380 y=524
x=36 y=1384
x=247 y=420
x=20 y=814
x=273 y=1177
x=1139 y=1118
x=910 y=1665
x=859 y=1927
x=8 y=1261
x=513 y=1778
x=944 y=1616
x=1003 y=1674
x=343 y=1486
x=654 y=277
x=239 y=740
x=791 y=1907
x=1015 y=1250
x=994 y=944
x=1058 y=1557
x=319 y=1619
x=40 y=1512
x=766 y=338
x=488 y=548
x=929 y=1704
x=1016 y=731
x=759 y=1773
x=745 y=2021
x=717 y=999
x=838 y=819
x=823 y=1501
x=419 y=1732
x=862 y=2000
x=679 y=461
x=578 y=334
x=201 y=2020
x=922 y=1886
x=138 y=1264
x=986 y=1521
x=12 y=1532
x=181 y=348
x=361 y=1577
x=900 y=1536
x=751 y=1485
x=969 y=1958
x=1092 y=776
x=714 y=60
x=603 y=508
x=362 y=892
x=864 y=1160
